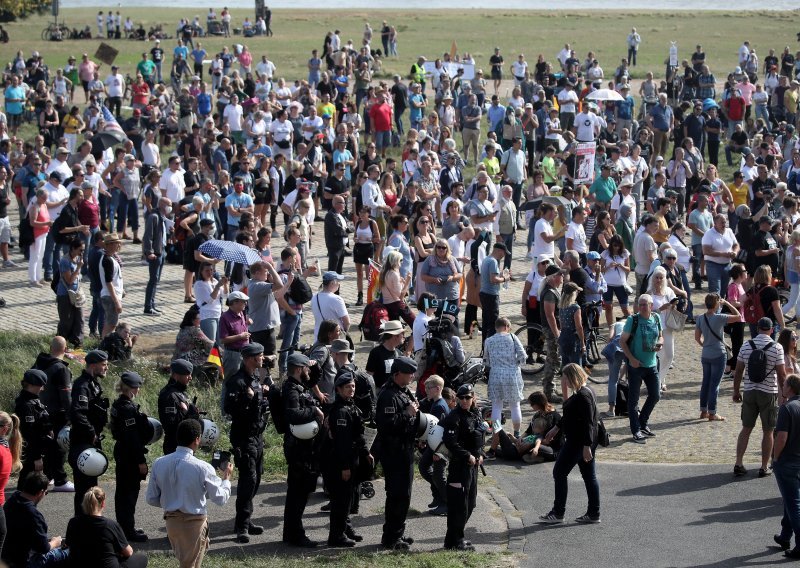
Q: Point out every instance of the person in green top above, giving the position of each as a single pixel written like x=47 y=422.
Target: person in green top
x=147 y=69
x=641 y=340
x=604 y=187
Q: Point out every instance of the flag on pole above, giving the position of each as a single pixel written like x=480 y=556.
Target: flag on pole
x=453 y=49
x=111 y=122
x=373 y=274
x=215 y=358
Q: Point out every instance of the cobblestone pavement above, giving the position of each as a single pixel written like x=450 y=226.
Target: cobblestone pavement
x=681 y=436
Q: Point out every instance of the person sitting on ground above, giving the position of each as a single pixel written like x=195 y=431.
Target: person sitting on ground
x=119 y=343
x=97 y=541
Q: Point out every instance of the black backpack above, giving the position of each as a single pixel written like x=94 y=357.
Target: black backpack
x=63 y=221
x=758 y=362
x=275 y=399
x=300 y=291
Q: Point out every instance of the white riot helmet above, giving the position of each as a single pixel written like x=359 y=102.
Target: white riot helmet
x=92 y=462
x=305 y=431
x=210 y=434
x=63 y=438
x=426 y=422
x=436 y=441
x=157 y=429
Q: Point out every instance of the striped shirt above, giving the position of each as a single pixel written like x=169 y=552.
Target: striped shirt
x=774 y=358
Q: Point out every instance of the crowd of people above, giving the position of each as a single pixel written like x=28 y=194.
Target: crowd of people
x=431 y=211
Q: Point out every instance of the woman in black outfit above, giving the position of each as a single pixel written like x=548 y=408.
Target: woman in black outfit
x=97 y=541
x=579 y=426
x=463 y=437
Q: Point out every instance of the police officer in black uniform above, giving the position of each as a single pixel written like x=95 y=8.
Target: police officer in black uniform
x=57 y=398
x=397 y=418
x=89 y=415
x=300 y=407
x=132 y=432
x=247 y=405
x=34 y=422
x=349 y=449
x=174 y=405
x=463 y=437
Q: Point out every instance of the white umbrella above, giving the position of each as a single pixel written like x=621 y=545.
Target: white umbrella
x=604 y=95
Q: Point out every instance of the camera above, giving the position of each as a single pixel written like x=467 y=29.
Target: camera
x=220 y=460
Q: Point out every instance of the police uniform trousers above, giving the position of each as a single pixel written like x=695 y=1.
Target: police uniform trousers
x=82 y=482
x=341 y=502
x=127 y=492
x=55 y=457
x=300 y=483
x=460 y=504
x=249 y=460
x=398 y=468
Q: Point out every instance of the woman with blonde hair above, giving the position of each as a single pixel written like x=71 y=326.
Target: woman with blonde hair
x=10 y=452
x=571 y=325
x=394 y=288
x=770 y=300
x=665 y=297
x=579 y=426
x=442 y=273
x=97 y=541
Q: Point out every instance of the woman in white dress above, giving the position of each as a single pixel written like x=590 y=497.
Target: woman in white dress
x=503 y=354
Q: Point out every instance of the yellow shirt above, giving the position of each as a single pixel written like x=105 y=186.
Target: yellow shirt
x=663 y=229
x=328 y=108
x=790 y=99
x=70 y=124
x=739 y=193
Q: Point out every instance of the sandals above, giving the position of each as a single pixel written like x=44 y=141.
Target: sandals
x=716 y=418
x=189 y=300
x=704 y=415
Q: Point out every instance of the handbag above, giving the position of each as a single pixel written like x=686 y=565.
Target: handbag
x=76 y=297
x=603 y=439
x=675 y=320
x=728 y=350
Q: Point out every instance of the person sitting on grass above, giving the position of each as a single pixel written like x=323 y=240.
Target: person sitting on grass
x=119 y=343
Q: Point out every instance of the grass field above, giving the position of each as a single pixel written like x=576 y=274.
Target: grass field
x=432 y=32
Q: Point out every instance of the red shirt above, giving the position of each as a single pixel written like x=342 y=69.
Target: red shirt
x=89 y=213
x=736 y=108
x=381 y=117
x=140 y=93
x=5 y=470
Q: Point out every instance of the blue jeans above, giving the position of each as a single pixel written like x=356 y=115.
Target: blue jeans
x=290 y=327
x=56 y=557
x=571 y=454
x=787 y=475
x=398 y=123
x=52 y=255
x=614 y=365
x=648 y=376
x=158 y=70
x=113 y=205
x=127 y=214
x=690 y=305
x=209 y=327
x=97 y=316
x=155 y=266
x=712 y=376
x=570 y=349
x=717 y=277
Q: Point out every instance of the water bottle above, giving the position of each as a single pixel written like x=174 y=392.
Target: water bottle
x=505 y=282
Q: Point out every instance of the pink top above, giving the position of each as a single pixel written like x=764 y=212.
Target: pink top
x=245 y=58
x=43 y=215
x=5 y=470
x=736 y=294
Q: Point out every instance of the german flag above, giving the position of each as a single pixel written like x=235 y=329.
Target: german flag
x=215 y=358
x=373 y=275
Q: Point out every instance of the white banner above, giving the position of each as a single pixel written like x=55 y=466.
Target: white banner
x=451 y=69
x=584 y=162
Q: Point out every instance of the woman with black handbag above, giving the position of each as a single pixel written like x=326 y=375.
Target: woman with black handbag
x=579 y=424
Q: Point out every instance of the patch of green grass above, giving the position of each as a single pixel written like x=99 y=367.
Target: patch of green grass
x=19 y=353
x=441 y=559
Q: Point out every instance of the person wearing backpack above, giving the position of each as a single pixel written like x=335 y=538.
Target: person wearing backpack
x=641 y=340
x=763 y=300
x=762 y=366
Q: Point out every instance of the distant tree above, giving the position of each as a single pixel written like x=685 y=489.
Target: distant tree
x=11 y=10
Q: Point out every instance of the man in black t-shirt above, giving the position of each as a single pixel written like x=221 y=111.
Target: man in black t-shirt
x=738 y=142
x=766 y=249
x=336 y=185
x=379 y=362
x=158 y=58
x=496 y=62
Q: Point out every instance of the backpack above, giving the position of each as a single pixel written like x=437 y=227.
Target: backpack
x=365 y=397
x=375 y=313
x=275 y=399
x=61 y=222
x=751 y=307
x=757 y=362
x=300 y=291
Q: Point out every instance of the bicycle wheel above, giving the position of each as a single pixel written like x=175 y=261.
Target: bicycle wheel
x=46 y=33
x=534 y=350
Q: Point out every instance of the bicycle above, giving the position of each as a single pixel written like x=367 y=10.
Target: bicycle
x=534 y=349
x=595 y=339
x=56 y=32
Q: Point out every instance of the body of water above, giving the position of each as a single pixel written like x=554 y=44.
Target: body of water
x=631 y=5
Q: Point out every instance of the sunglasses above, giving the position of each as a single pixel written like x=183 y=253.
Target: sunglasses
x=465 y=397
x=441 y=248
x=424 y=222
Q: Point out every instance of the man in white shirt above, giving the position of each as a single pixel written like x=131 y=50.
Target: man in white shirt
x=587 y=124
x=327 y=304
x=371 y=194
x=563 y=55
x=544 y=239
x=233 y=116
x=184 y=502
x=266 y=67
x=60 y=164
x=519 y=68
x=567 y=101
x=623 y=197
x=115 y=90
x=575 y=236
x=172 y=183
x=311 y=124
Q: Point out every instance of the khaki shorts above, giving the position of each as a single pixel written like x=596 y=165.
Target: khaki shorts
x=756 y=403
x=111 y=317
